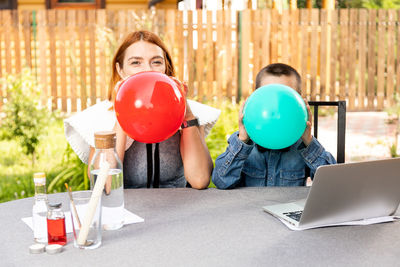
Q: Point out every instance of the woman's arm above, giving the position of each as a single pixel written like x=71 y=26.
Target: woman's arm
x=196 y=158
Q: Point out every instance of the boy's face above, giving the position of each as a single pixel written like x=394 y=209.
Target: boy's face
x=283 y=79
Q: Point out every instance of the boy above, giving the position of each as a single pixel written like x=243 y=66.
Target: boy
x=246 y=164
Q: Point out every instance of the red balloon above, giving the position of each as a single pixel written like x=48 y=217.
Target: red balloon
x=150 y=107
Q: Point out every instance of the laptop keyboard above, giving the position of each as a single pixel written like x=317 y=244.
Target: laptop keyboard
x=295 y=215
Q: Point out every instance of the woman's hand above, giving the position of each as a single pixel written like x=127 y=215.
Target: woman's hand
x=307 y=137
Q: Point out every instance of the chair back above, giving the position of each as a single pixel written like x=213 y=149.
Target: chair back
x=341 y=124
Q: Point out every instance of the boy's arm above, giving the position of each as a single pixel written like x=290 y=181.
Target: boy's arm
x=315 y=155
x=228 y=165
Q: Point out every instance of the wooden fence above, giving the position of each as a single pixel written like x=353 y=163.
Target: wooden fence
x=345 y=54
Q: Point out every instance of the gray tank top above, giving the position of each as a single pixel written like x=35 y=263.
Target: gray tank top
x=171 y=166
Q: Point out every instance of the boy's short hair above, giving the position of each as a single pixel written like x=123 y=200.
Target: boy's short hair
x=278 y=69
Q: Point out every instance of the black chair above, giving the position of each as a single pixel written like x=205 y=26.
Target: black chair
x=341 y=124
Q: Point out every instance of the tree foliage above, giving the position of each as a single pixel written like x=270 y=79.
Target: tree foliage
x=23 y=118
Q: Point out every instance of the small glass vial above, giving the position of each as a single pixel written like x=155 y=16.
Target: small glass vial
x=56 y=225
x=39 y=209
x=112 y=199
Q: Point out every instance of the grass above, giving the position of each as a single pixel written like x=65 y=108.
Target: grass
x=17 y=170
x=56 y=159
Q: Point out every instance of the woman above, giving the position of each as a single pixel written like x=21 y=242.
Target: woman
x=184 y=157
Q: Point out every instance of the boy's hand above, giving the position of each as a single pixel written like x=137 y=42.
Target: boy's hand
x=243 y=136
x=307 y=137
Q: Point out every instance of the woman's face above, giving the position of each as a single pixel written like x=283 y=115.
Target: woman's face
x=141 y=56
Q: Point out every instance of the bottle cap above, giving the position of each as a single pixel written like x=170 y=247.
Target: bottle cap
x=39 y=178
x=55 y=205
x=53 y=249
x=36 y=248
x=104 y=139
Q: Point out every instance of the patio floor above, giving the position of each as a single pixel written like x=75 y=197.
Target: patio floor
x=368 y=135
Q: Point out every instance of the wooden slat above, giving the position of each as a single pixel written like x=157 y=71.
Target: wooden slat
x=72 y=62
x=228 y=49
x=333 y=56
x=314 y=53
x=160 y=22
x=294 y=39
x=170 y=38
x=42 y=39
x=371 y=58
x=391 y=35
x=219 y=63
x=257 y=49
x=200 y=56
x=26 y=31
x=112 y=24
x=284 y=22
x=266 y=39
x=398 y=56
x=304 y=51
x=82 y=56
x=352 y=60
x=61 y=18
x=7 y=18
x=102 y=46
x=210 y=55
x=180 y=42
x=120 y=22
x=190 y=59
x=323 y=60
x=130 y=23
x=16 y=38
x=343 y=53
x=362 y=58
x=381 y=58
x=275 y=35
x=92 y=54
x=53 y=58
x=235 y=58
x=245 y=53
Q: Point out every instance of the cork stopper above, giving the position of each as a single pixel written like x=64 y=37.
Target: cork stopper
x=104 y=140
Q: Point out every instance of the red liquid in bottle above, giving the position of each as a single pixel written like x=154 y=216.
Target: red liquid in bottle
x=56 y=231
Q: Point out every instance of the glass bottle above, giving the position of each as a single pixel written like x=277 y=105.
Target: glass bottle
x=39 y=210
x=56 y=233
x=113 y=196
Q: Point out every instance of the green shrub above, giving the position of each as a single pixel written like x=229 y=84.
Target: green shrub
x=226 y=125
x=74 y=173
x=24 y=120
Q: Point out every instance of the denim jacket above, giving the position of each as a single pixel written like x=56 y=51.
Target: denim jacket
x=246 y=165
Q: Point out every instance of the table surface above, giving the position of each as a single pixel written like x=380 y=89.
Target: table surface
x=188 y=227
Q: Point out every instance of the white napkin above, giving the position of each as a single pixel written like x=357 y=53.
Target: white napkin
x=129 y=218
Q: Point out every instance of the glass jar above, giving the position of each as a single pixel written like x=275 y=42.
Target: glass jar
x=113 y=196
x=56 y=233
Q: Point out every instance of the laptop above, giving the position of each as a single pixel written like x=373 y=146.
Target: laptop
x=343 y=193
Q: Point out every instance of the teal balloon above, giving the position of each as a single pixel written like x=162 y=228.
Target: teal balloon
x=275 y=116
